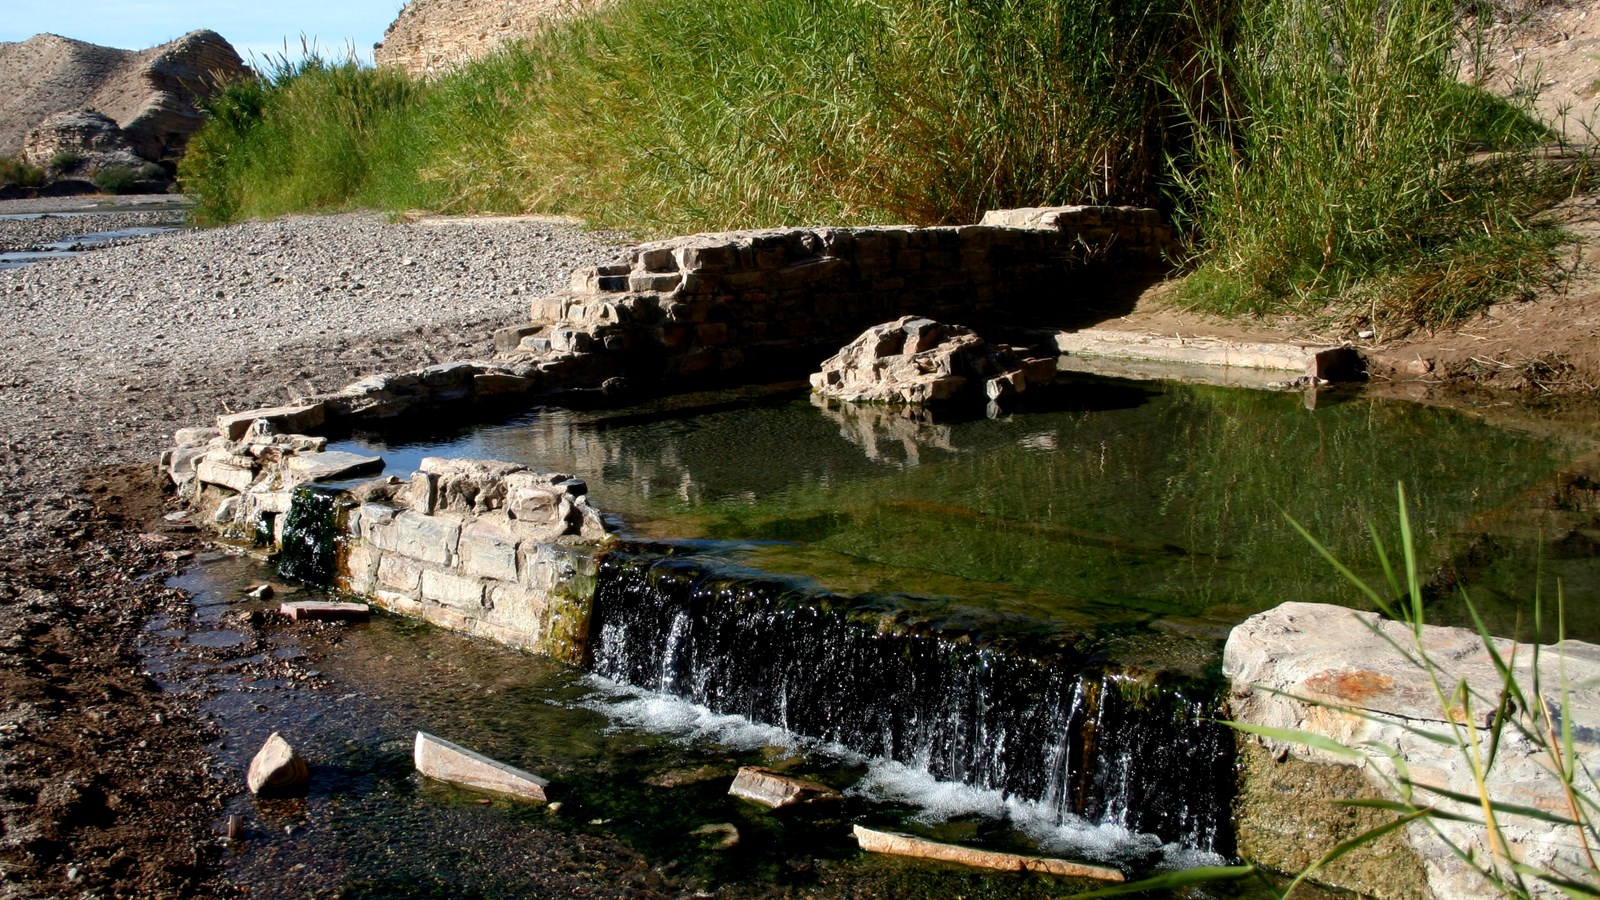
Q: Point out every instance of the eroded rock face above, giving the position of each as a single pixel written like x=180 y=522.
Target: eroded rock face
x=915 y=360
x=150 y=95
x=1333 y=672
x=430 y=36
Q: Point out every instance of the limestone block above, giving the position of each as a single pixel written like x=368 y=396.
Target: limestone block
x=400 y=574
x=458 y=592
x=708 y=257
x=652 y=281
x=500 y=384
x=223 y=469
x=508 y=338
x=181 y=463
x=570 y=340
x=438 y=758
x=329 y=465
x=194 y=437
x=280 y=420
x=811 y=272
x=655 y=259
x=323 y=611
x=277 y=770
x=361 y=569
x=373 y=519
x=1325 y=669
x=894 y=844
x=447 y=375
x=431 y=539
x=460 y=485
x=488 y=550
x=776 y=790
x=275 y=502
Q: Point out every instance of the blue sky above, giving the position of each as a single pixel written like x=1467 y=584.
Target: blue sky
x=259 y=27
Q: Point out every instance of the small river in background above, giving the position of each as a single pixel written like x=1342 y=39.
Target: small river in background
x=75 y=245
x=1134 y=523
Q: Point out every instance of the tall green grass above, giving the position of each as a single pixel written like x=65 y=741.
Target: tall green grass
x=1333 y=156
x=1318 y=151
x=310 y=136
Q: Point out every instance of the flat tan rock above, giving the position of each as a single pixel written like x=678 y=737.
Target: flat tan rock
x=894 y=844
x=438 y=758
x=321 y=611
x=776 y=790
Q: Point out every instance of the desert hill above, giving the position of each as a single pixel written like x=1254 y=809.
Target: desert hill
x=149 y=94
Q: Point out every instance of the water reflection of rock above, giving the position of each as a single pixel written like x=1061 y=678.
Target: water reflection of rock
x=878 y=428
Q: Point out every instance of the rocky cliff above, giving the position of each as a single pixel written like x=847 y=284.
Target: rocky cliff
x=430 y=36
x=149 y=94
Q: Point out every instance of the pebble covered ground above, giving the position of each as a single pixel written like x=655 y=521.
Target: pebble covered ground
x=103 y=778
x=119 y=345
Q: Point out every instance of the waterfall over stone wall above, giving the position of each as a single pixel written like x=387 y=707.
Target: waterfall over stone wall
x=1048 y=728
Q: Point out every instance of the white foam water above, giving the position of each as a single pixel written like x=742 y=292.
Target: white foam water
x=890 y=782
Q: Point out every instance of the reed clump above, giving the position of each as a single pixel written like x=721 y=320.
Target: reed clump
x=1323 y=157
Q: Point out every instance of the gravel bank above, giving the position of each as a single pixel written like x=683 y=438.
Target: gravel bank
x=119 y=346
x=103 y=777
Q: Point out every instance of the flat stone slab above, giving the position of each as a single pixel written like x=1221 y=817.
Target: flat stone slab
x=895 y=844
x=776 y=790
x=1337 y=674
x=330 y=465
x=438 y=758
x=1327 y=363
x=321 y=611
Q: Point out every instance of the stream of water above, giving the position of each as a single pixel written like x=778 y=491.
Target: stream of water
x=996 y=631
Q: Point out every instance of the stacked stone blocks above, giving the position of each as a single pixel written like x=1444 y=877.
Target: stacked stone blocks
x=718 y=303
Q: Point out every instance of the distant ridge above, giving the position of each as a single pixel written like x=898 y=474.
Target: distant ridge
x=149 y=93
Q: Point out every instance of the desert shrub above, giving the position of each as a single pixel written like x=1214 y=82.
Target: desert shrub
x=116 y=179
x=18 y=173
x=64 y=161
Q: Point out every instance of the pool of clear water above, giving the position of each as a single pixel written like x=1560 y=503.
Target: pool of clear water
x=1142 y=512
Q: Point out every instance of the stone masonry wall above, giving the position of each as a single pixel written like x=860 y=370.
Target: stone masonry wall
x=715 y=304
x=479 y=546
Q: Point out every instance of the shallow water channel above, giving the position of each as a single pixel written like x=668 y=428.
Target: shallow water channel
x=1126 y=526
x=77 y=244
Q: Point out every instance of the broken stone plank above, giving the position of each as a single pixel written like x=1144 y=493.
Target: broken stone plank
x=330 y=464
x=775 y=790
x=319 y=611
x=438 y=758
x=894 y=844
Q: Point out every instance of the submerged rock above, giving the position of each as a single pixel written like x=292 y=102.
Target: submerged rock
x=777 y=791
x=277 y=770
x=915 y=360
x=438 y=758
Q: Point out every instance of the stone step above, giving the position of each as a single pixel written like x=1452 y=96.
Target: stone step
x=438 y=758
x=895 y=844
x=1329 y=363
